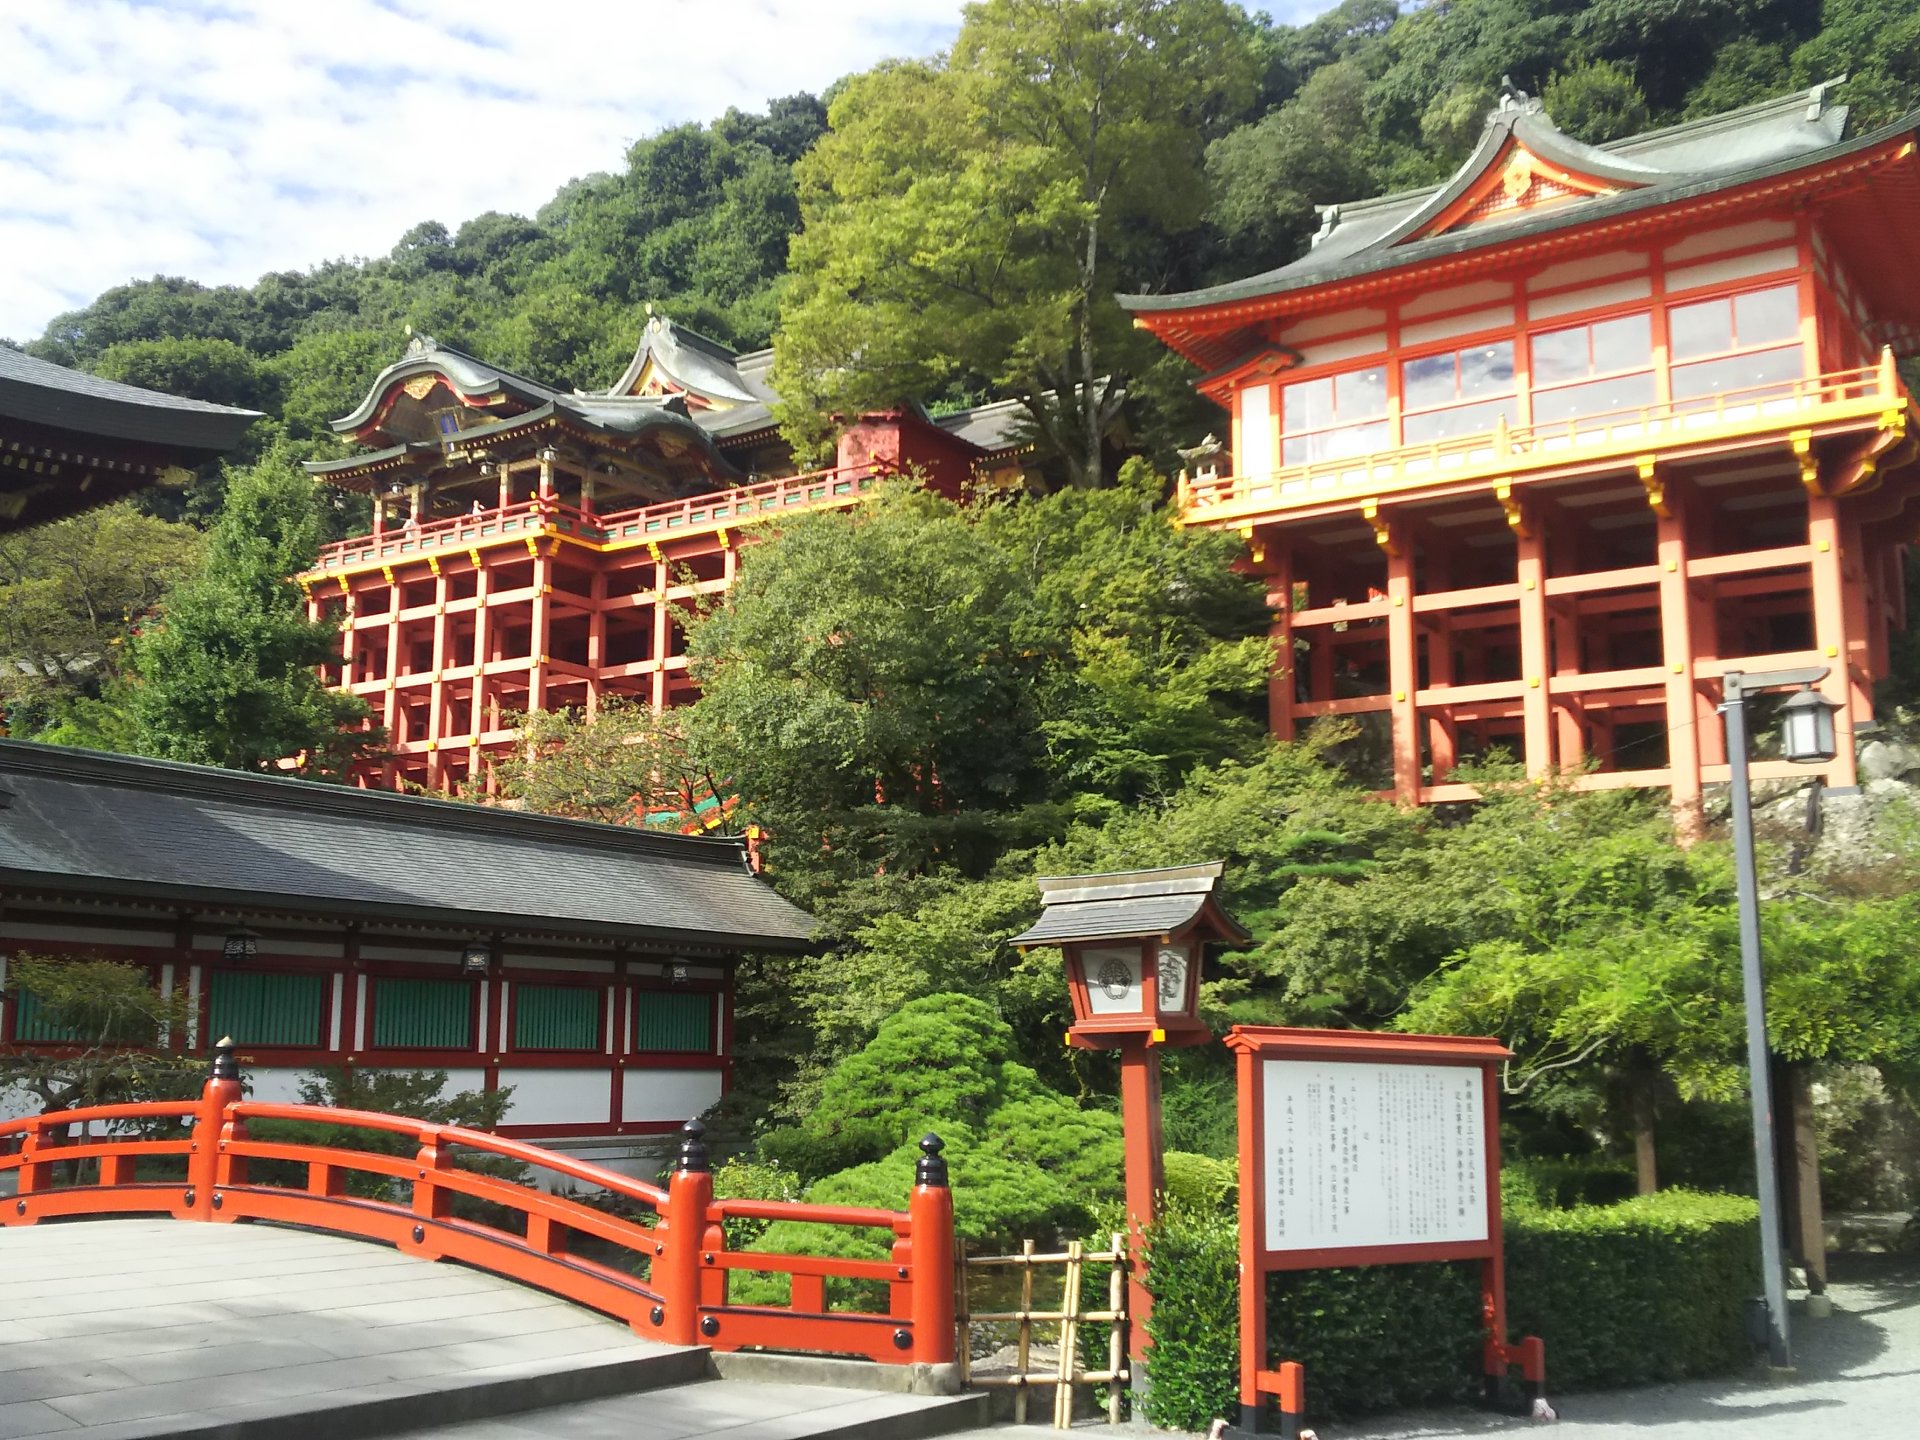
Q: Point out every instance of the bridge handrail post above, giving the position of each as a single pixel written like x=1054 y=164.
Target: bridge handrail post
x=930 y=1209
x=676 y=1269
x=223 y=1089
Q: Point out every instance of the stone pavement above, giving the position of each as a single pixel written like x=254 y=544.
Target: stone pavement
x=143 y=1327
x=1857 y=1378
x=147 y=1328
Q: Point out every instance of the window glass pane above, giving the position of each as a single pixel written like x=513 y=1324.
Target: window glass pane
x=1256 y=432
x=1429 y=380
x=422 y=1014
x=261 y=1008
x=1764 y=316
x=1560 y=355
x=1486 y=370
x=556 y=1017
x=1736 y=372
x=664 y=1021
x=1346 y=442
x=1703 y=329
x=1307 y=405
x=1457 y=420
x=1359 y=395
x=1623 y=344
x=1599 y=397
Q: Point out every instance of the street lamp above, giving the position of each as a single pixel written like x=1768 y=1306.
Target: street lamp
x=1807 y=739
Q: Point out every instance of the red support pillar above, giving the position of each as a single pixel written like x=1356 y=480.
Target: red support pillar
x=676 y=1270
x=1280 y=680
x=1146 y=1178
x=1536 y=700
x=1677 y=656
x=1403 y=666
x=1830 y=637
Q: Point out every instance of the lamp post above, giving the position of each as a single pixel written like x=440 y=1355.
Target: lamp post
x=1135 y=944
x=1808 y=739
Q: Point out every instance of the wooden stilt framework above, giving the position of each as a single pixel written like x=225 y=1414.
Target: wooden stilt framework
x=450 y=629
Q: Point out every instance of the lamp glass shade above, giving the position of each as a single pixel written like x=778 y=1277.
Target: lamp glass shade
x=1174 y=968
x=1806 y=728
x=1112 y=973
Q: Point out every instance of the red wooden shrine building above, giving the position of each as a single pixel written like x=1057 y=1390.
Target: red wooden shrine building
x=536 y=549
x=1532 y=457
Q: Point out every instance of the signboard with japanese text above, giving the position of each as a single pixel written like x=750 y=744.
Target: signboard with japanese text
x=1359 y=1154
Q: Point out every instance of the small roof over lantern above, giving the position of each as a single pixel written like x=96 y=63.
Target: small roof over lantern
x=1135 y=943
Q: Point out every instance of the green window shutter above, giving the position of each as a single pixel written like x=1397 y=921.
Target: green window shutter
x=422 y=1014
x=262 y=1008
x=30 y=1021
x=668 y=1021
x=556 y=1017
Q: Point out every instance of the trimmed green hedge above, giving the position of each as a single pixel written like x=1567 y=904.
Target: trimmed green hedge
x=1649 y=1289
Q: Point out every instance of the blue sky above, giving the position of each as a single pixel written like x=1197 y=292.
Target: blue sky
x=220 y=139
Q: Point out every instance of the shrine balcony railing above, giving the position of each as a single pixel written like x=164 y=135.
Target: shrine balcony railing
x=1870 y=394
x=617 y=529
x=660 y=1260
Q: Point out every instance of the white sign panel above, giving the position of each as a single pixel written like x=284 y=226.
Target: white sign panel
x=1368 y=1154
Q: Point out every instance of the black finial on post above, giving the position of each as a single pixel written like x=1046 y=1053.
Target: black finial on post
x=225 y=1065
x=932 y=1169
x=693 y=1147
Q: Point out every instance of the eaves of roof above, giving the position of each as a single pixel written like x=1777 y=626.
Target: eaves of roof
x=41 y=393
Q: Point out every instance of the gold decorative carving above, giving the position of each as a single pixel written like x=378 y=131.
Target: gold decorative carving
x=421 y=386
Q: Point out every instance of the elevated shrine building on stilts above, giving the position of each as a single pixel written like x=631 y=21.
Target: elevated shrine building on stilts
x=1529 y=459
x=538 y=549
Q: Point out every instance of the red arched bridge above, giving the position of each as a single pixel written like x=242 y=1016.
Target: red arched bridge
x=666 y=1274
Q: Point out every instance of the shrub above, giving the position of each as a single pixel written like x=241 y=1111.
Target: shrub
x=1650 y=1288
x=1562 y=1183
x=1653 y=1288
x=1198 y=1182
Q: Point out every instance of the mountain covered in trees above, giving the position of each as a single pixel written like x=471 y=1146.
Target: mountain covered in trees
x=1225 y=131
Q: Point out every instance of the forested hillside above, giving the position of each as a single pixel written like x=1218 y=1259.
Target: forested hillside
x=1265 y=121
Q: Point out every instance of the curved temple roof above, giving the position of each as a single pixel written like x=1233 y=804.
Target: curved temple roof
x=1395 y=230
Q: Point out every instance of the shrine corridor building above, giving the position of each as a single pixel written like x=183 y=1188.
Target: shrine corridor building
x=537 y=549
x=1532 y=457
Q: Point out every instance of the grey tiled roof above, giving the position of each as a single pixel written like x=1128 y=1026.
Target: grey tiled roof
x=1681 y=161
x=43 y=393
x=76 y=821
x=1134 y=902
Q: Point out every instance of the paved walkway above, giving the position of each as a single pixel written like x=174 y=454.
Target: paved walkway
x=141 y=1327
x=1857 y=1378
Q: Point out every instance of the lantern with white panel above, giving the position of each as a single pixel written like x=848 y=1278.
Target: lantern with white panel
x=1135 y=946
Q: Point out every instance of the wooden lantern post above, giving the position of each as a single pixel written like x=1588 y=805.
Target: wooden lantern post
x=1135 y=944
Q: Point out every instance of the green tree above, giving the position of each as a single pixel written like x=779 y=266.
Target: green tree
x=963 y=222
x=228 y=676
x=1596 y=102
x=71 y=596
x=112 y=1024
x=626 y=766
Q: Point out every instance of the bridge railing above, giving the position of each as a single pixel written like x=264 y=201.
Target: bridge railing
x=667 y=1273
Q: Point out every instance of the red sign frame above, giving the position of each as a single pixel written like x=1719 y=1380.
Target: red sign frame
x=1254 y=1044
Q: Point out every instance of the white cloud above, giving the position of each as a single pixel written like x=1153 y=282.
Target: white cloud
x=221 y=139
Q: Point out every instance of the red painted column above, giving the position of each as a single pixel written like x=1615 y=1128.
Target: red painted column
x=1830 y=637
x=676 y=1272
x=1146 y=1178
x=1676 y=643
x=1403 y=665
x=1280 y=680
x=1536 y=700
